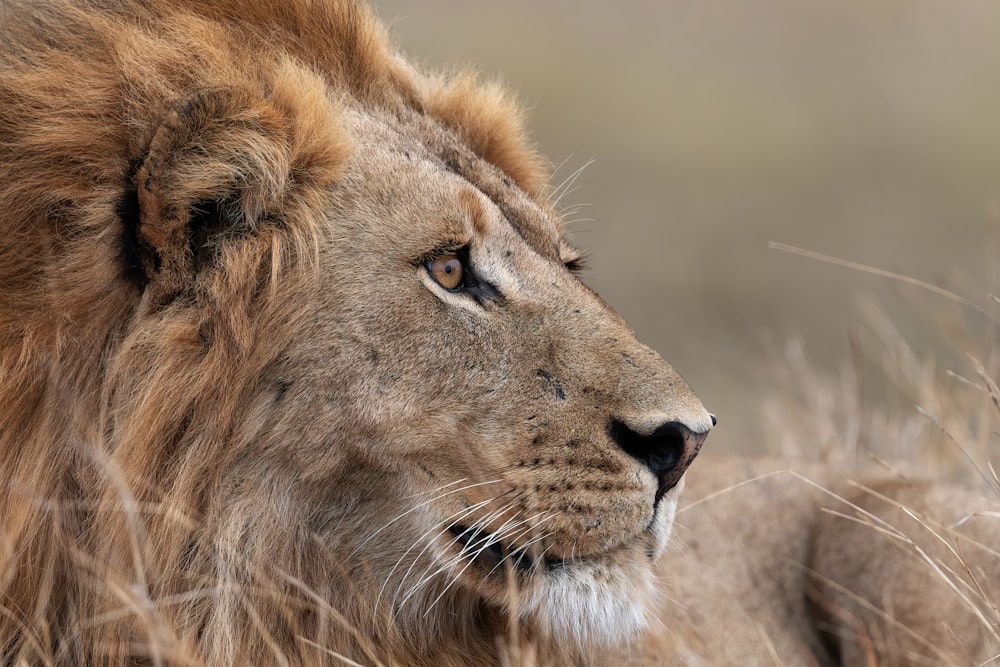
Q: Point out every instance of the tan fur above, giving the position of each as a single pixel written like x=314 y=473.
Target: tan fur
x=238 y=417
x=782 y=563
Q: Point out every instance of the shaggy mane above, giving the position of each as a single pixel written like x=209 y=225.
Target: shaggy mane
x=118 y=404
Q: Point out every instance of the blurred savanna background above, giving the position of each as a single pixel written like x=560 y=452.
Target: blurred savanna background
x=864 y=130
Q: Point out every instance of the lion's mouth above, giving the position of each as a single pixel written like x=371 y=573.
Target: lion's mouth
x=490 y=553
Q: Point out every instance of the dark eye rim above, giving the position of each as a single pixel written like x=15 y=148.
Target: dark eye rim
x=472 y=285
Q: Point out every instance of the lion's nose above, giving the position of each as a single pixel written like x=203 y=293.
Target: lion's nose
x=667 y=451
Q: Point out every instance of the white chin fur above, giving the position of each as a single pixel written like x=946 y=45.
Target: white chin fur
x=663 y=520
x=591 y=604
x=604 y=602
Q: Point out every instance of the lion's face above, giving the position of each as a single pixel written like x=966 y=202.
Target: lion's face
x=296 y=333
x=469 y=407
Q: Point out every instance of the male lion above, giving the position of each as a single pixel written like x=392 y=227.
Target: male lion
x=296 y=370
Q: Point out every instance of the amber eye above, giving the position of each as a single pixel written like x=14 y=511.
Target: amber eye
x=447 y=270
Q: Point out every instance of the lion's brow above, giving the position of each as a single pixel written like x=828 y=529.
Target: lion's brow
x=513 y=211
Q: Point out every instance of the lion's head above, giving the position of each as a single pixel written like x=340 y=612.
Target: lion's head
x=297 y=354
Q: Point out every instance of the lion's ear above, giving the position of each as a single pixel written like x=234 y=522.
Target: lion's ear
x=222 y=162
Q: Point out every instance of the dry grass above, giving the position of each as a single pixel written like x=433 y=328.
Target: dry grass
x=890 y=402
x=894 y=399
x=914 y=411
x=926 y=396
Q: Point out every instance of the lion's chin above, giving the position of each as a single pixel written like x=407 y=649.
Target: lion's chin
x=591 y=603
x=604 y=600
x=601 y=599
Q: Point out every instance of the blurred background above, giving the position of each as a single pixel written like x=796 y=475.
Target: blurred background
x=868 y=130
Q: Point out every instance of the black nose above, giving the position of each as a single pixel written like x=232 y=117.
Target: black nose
x=667 y=451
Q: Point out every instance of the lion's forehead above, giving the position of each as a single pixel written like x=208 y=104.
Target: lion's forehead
x=415 y=163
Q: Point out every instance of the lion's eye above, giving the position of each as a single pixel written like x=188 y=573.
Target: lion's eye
x=447 y=270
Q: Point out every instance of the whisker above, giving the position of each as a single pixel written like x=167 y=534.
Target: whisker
x=424 y=537
x=425 y=577
x=523 y=549
x=557 y=169
x=429 y=576
x=494 y=538
x=565 y=187
x=515 y=529
x=415 y=508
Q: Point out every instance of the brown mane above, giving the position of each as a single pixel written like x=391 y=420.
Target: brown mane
x=118 y=403
x=295 y=368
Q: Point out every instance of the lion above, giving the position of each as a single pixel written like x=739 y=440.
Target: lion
x=297 y=369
